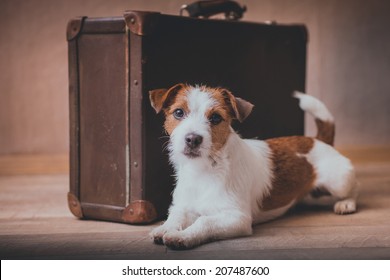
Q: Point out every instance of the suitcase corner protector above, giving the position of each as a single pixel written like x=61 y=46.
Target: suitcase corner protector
x=74 y=27
x=74 y=205
x=141 y=23
x=139 y=212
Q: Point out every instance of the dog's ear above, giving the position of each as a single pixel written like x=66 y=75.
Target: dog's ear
x=160 y=98
x=240 y=107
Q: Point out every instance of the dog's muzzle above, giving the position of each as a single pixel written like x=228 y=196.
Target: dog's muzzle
x=193 y=142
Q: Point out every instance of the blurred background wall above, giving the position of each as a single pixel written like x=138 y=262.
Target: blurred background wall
x=348 y=64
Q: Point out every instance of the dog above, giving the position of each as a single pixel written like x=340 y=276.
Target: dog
x=226 y=184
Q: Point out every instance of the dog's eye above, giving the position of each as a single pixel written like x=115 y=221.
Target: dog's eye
x=178 y=114
x=215 y=119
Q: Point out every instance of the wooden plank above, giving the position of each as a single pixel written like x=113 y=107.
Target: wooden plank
x=79 y=244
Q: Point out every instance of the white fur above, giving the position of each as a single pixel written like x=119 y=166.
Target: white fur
x=220 y=197
x=313 y=106
x=336 y=174
x=333 y=170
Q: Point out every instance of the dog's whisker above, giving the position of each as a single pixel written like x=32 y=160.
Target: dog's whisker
x=165 y=146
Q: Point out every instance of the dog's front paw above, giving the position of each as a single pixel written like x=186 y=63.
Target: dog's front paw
x=158 y=240
x=177 y=240
x=157 y=234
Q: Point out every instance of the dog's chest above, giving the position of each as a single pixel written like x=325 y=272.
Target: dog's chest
x=202 y=193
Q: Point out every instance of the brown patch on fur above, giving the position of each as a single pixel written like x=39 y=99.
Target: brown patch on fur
x=221 y=131
x=179 y=102
x=238 y=108
x=229 y=107
x=326 y=131
x=162 y=98
x=243 y=108
x=293 y=174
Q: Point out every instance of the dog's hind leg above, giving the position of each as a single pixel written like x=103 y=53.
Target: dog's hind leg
x=344 y=190
x=341 y=204
x=345 y=206
x=346 y=193
x=335 y=178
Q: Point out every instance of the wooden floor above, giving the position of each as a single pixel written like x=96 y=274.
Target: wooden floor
x=35 y=223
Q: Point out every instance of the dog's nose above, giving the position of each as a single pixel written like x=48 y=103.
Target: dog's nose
x=193 y=140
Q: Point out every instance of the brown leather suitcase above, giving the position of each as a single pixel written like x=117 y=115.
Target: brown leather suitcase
x=118 y=168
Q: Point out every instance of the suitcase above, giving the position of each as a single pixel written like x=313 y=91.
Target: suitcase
x=118 y=168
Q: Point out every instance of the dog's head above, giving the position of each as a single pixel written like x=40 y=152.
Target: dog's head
x=198 y=118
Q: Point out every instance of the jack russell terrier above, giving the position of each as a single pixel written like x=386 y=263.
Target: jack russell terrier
x=225 y=184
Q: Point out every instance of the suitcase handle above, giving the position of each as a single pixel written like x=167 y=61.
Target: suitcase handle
x=231 y=9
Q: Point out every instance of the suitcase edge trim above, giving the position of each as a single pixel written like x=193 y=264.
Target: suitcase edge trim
x=139 y=212
x=74 y=128
x=74 y=27
x=74 y=206
x=141 y=23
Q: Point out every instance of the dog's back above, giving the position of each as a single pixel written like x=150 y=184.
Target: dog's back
x=309 y=168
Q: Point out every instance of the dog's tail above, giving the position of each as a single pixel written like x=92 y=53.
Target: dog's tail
x=324 y=119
